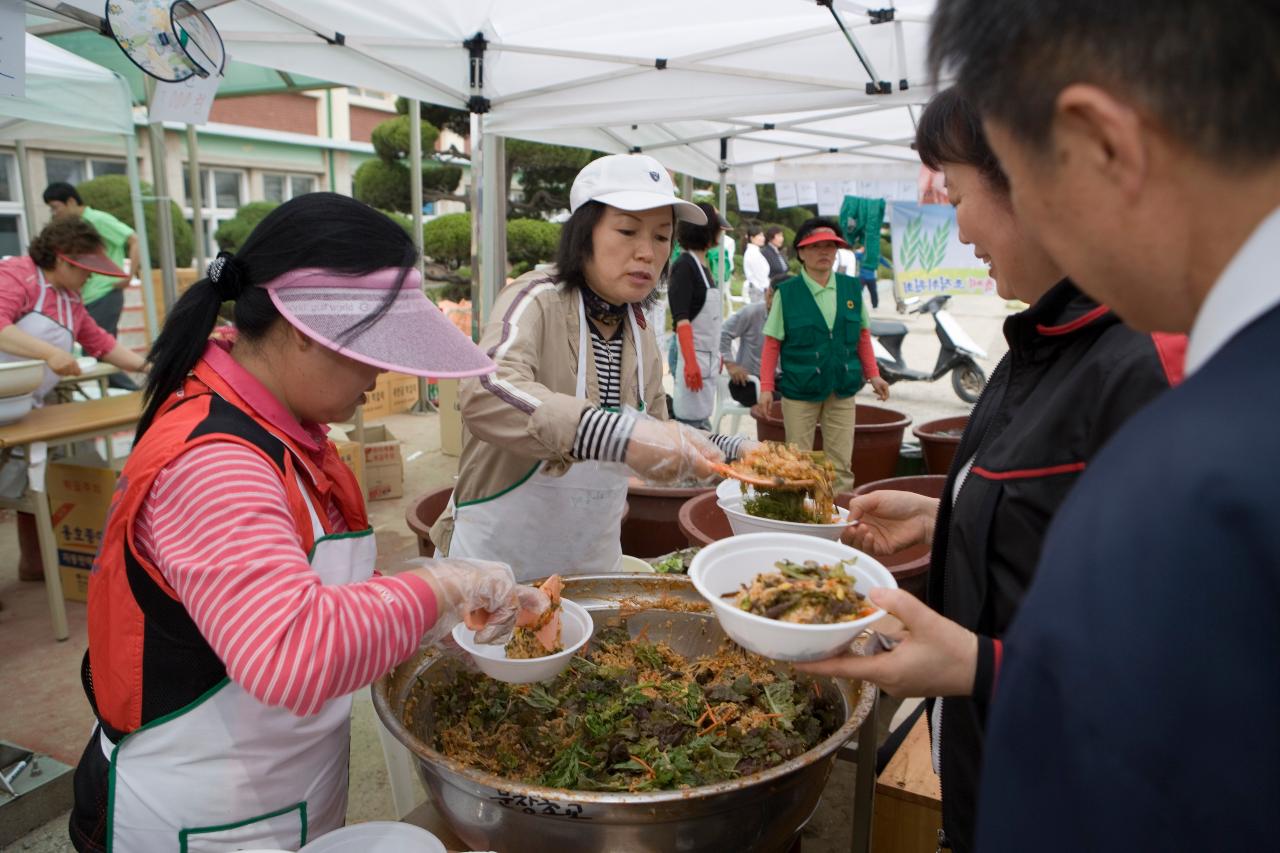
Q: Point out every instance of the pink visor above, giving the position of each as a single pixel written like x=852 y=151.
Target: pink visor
x=411 y=336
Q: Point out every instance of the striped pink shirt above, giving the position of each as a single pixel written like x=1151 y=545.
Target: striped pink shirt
x=216 y=524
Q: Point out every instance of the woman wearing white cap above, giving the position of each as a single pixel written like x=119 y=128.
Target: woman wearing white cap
x=539 y=486
x=232 y=607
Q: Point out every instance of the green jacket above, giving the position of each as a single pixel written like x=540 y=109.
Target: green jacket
x=818 y=361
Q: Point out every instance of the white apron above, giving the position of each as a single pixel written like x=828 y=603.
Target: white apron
x=51 y=331
x=698 y=405
x=544 y=524
x=230 y=773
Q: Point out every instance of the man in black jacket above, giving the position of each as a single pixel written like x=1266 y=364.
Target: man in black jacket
x=1142 y=142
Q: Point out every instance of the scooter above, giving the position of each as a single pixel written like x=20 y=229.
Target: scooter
x=956 y=357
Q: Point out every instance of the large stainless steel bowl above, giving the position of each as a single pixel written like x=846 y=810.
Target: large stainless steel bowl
x=20 y=377
x=760 y=812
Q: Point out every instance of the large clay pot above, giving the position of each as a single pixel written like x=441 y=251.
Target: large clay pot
x=910 y=567
x=652 y=525
x=423 y=512
x=939 y=440
x=877 y=438
x=703 y=522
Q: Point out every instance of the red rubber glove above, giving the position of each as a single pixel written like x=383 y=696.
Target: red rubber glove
x=692 y=372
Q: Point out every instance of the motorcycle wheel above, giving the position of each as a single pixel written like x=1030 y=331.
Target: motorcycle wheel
x=968 y=380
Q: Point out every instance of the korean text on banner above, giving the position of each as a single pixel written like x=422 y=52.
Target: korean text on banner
x=188 y=102
x=928 y=257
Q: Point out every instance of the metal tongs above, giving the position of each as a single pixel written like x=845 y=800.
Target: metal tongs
x=760 y=481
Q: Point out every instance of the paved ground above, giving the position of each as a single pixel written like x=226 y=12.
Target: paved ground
x=42 y=705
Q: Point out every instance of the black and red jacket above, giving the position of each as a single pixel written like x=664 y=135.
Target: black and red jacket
x=1073 y=375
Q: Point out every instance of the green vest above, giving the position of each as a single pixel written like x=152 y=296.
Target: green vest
x=816 y=361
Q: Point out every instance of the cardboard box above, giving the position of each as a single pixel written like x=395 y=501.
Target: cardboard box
x=393 y=393
x=383 y=464
x=79 y=498
x=450 y=417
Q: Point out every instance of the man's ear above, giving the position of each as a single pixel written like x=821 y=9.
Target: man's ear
x=1100 y=133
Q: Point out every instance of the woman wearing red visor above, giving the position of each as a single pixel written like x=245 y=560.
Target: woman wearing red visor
x=233 y=608
x=41 y=315
x=816 y=341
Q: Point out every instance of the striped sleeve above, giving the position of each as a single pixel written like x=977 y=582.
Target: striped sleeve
x=217 y=526
x=602 y=436
x=729 y=445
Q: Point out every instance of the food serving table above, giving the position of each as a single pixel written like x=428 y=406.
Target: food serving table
x=61 y=424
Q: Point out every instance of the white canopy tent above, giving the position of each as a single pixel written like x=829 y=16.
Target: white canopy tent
x=824 y=83
x=70 y=98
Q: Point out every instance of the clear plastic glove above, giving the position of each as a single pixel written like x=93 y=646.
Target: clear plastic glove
x=481 y=594
x=670 y=452
x=746 y=446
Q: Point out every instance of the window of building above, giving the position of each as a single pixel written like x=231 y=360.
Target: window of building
x=75 y=170
x=13 y=231
x=222 y=192
x=281 y=188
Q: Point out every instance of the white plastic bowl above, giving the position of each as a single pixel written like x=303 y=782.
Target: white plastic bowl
x=743 y=522
x=20 y=377
x=575 y=629
x=728 y=490
x=13 y=409
x=727 y=565
x=376 y=836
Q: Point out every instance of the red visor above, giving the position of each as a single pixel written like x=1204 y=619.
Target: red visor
x=822 y=235
x=96 y=262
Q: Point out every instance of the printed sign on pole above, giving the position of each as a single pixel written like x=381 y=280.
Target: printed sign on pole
x=187 y=102
x=928 y=257
x=13 y=50
x=787 y=196
x=747 y=200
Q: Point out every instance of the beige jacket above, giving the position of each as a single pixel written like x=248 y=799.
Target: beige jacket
x=526 y=414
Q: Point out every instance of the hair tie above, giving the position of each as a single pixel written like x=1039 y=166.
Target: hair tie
x=226 y=274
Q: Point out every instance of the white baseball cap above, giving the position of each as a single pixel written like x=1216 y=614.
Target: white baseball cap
x=630 y=182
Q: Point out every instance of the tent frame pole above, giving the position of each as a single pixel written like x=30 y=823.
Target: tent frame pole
x=164 y=216
x=29 y=209
x=415 y=202
x=144 y=244
x=197 y=198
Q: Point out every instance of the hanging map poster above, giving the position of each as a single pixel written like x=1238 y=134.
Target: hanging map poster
x=928 y=257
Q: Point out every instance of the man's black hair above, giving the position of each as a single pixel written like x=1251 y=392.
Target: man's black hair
x=1208 y=73
x=61 y=191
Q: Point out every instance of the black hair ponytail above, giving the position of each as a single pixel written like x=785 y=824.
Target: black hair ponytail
x=325 y=230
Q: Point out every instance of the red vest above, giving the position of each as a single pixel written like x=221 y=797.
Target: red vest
x=146 y=657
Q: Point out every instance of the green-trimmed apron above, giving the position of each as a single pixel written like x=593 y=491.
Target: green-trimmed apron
x=545 y=524
x=230 y=773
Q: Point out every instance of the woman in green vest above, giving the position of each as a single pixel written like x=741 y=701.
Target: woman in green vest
x=817 y=335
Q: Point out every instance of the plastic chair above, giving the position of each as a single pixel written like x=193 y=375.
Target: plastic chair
x=726 y=406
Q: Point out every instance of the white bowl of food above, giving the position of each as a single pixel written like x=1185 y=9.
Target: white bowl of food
x=575 y=629
x=729 y=490
x=20 y=377
x=743 y=522
x=723 y=570
x=376 y=836
x=14 y=409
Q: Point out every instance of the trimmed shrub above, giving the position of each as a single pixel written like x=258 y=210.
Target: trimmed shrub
x=111 y=194
x=383 y=185
x=531 y=241
x=391 y=138
x=231 y=234
x=447 y=239
x=441 y=177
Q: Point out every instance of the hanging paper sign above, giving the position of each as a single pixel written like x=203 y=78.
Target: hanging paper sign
x=13 y=51
x=928 y=257
x=830 y=197
x=807 y=192
x=787 y=196
x=747 y=200
x=849 y=188
x=188 y=102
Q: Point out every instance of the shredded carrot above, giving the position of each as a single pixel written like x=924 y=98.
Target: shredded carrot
x=653 y=774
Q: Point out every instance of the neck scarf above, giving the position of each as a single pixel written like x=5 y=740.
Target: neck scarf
x=600 y=310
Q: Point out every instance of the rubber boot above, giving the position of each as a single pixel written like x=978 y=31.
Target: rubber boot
x=30 y=566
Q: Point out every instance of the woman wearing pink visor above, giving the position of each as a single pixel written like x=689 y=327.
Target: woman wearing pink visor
x=233 y=608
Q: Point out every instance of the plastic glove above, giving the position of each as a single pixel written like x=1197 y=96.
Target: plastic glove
x=670 y=452
x=484 y=595
x=692 y=371
x=746 y=446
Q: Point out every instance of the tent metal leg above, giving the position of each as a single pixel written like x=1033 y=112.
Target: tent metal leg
x=197 y=198
x=144 y=244
x=864 y=784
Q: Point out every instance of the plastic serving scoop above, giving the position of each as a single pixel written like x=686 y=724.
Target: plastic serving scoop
x=761 y=481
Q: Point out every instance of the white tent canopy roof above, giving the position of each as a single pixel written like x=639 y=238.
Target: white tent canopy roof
x=67 y=98
x=582 y=72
